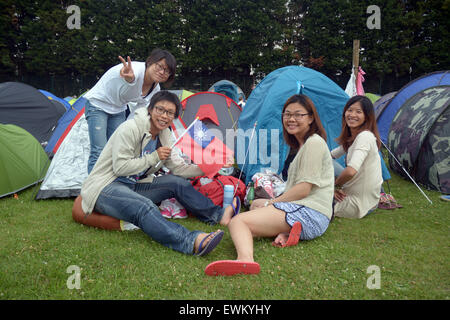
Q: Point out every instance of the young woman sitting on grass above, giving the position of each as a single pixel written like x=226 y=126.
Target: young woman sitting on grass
x=357 y=187
x=304 y=210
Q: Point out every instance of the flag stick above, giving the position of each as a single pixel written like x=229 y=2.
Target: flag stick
x=179 y=138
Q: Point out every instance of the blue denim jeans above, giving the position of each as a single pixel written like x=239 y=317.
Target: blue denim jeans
x=101 y=126
x=137 y=204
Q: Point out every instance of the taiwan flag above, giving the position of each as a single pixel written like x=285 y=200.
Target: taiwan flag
x=204 y=149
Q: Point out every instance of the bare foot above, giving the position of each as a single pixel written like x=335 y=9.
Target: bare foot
x=228 y=213
x=281 y=240
x=200 y=238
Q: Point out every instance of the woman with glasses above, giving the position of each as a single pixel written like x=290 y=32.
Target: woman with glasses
x=304 y=210
x=122 y=183
x=357 y=187
x=129 y=83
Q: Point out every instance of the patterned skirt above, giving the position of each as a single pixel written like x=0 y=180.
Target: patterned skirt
x=314 y=223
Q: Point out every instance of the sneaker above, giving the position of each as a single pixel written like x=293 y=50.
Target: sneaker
x=180 y=214
x=445 y=197
x=166 y=214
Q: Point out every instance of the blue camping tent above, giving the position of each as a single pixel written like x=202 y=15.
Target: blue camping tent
x=63 y=122
x=381 y=103
x=51 y=96
x=268 y=149
x=384 y=119
x=228 y=88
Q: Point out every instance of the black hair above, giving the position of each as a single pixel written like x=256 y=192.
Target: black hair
x=345 y=138
x=159 y=54
x=165 y=95
x=315 y=127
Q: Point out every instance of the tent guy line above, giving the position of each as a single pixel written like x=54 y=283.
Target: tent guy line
x=406 y=172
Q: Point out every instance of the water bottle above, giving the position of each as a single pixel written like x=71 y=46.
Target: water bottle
x=228 y=191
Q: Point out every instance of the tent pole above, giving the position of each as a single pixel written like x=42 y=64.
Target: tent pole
x=245 y=158
x=398 y=162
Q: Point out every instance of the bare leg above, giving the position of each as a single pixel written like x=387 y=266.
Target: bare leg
x=263 y=222
x=228 y=213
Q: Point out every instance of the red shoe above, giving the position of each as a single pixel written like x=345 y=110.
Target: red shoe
x=231 y=267
x=294 y=236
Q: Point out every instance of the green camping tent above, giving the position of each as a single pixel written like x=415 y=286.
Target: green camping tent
x=373 y=97
x=182 y=93
x=23 y=161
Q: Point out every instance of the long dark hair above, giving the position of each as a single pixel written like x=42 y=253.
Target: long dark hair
x=370 y=123
x=315 y=127
x=159 y=54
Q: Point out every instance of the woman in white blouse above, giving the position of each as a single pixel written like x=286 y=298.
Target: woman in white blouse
x=357 y=187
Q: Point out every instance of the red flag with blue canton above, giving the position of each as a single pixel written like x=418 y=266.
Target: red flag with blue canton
x=204 y=149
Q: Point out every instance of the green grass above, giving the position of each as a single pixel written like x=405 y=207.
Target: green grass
x=39 y=241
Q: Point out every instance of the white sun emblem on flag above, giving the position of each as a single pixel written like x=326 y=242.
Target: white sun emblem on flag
x=200 y=134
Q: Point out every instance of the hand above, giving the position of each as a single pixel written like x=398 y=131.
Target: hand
x=163 y=152
x=230 y=162
x=228 y=165
x=127 y=70
x=339 y=195
x=258 y=203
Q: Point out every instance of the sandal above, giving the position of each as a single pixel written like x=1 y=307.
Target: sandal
x=212 y=243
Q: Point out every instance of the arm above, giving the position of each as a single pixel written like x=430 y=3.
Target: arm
x=338 y=152
x=345 y=176
x=124 y=159
x=124 y=86
x=361 y=147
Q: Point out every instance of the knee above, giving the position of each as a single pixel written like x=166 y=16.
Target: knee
x=180 y=181
x=146 y=208
x=234 y=222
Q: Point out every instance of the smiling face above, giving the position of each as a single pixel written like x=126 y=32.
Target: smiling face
x=161 y=116
x=354 y=116
x=158 y=72
x=297 y=120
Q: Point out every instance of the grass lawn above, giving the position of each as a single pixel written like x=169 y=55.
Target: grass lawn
x=410 y=246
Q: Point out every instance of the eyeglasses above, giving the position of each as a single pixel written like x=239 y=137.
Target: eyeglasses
x=161 y=68
x=160 y=111
x=296 y=115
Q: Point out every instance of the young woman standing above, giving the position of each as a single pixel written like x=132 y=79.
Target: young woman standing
x=129 y=83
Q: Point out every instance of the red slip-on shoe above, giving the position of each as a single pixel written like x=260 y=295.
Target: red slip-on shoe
x=231 y=267
x=294 y=235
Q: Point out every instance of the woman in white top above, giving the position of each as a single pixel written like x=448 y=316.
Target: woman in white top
x=357 y=187
x=304 y=210
x=132 y=83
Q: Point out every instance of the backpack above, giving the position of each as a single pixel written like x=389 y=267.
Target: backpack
x=214 y=190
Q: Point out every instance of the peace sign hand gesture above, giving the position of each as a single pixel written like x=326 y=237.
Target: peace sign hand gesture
x=127 y=70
